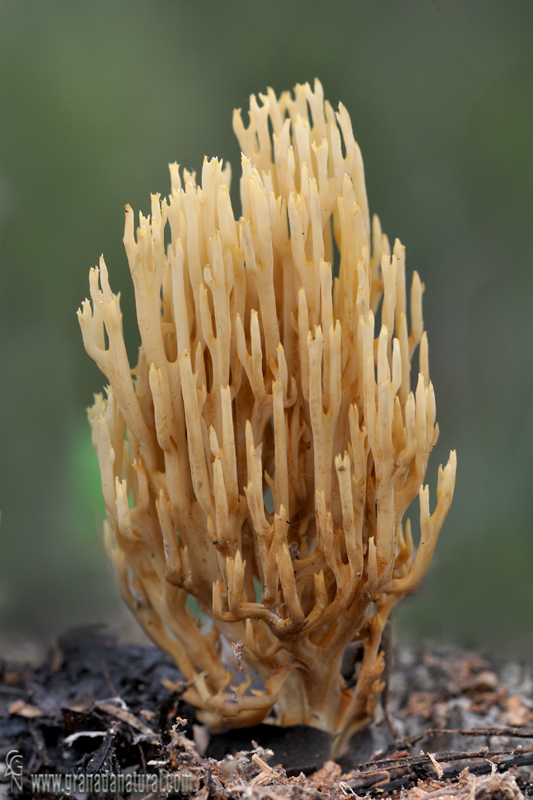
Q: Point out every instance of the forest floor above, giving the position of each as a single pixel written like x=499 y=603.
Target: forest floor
x=101 y=719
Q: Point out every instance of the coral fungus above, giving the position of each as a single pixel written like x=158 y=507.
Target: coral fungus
x=262 y=454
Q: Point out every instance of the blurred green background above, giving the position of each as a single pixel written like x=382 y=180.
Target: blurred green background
x=97 y=97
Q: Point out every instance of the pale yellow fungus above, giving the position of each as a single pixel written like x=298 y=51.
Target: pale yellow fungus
x=263 y=452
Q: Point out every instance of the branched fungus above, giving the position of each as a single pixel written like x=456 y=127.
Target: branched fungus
x=262 y=454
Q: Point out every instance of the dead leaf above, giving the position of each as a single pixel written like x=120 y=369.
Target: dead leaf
x=517 y=712
x=25 y=710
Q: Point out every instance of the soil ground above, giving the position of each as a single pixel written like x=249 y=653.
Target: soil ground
x=103 y=719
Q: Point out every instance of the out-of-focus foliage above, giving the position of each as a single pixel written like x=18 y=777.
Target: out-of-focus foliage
x=96 y=98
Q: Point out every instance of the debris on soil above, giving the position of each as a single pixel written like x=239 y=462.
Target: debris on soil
x=98 y=717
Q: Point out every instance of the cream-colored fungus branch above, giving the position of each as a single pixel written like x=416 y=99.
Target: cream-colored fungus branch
x=262 y=454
